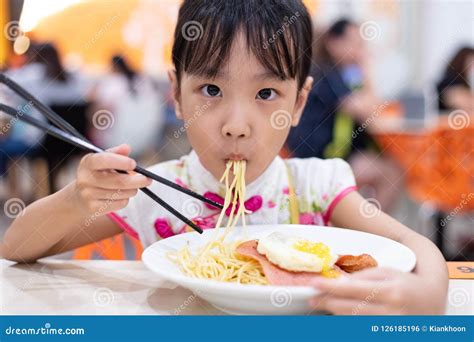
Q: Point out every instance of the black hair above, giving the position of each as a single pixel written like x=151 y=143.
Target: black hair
x=456 y=69
x=121 y=66
x=278 y=33
x=339 y=27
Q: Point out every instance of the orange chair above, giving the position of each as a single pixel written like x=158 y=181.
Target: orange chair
x=439 y=164
x=119 y=247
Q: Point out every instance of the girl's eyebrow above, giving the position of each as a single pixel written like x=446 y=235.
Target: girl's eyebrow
x=267 y=75
x=209 y=73
x=218 y=74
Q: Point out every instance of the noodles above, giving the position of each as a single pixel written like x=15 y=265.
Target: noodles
x=218 y=260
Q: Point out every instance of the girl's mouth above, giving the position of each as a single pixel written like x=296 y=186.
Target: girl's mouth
x=235 y=156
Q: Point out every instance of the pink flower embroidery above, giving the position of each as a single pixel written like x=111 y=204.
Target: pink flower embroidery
x=271 y=204
x=163 y=228
x=213 y=197
x=306 y=218
x=286 y=190
x=253 y=204
x=180 y=183
x=312 y=218
x=205 y=222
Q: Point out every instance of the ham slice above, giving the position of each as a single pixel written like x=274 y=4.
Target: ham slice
x=274 y=274
x=279 y=276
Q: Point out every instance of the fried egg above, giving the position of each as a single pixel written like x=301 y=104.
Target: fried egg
x=297 y=254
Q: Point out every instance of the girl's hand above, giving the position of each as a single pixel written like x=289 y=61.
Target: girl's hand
x=99 y=188
x=379 y=291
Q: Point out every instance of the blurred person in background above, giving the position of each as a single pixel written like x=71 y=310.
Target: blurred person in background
x=44 y=76
x=455 y=89
x=342 y=98
x=455 y=92
x=128 y=107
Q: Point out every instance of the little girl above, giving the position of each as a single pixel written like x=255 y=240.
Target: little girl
x=240 y=82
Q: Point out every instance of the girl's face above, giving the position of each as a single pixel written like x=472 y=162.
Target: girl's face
x=245 y=112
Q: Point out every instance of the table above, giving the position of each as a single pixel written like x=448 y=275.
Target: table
x=96 y=287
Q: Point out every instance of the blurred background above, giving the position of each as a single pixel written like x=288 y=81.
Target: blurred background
x=393 y=95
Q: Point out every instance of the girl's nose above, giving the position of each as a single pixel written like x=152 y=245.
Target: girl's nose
x=236 y=128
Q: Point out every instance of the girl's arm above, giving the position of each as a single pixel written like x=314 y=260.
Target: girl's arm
x=53 y=225
x=389 y=291
x=74 y=216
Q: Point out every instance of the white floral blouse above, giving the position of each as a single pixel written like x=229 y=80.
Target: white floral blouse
x=319 y=185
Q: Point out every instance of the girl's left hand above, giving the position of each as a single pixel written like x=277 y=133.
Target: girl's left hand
x=379 y=291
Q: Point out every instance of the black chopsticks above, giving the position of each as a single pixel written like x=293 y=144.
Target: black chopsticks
x=64 y=131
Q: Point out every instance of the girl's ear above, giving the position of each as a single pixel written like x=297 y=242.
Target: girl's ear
x=175 y=93
x=301 y=101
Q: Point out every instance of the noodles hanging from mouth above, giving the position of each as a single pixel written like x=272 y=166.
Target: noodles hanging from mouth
x=218 y=260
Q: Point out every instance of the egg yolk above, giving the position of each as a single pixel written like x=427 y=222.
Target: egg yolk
x=322 y=251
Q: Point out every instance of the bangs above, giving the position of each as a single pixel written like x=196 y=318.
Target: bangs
x=278 y=34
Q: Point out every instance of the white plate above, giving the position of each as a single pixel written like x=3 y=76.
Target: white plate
x=271 y=300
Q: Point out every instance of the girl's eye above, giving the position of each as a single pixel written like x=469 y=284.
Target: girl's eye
x=211 y=90
x=266 y=94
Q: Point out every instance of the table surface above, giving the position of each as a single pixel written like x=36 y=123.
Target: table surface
x=70 y=287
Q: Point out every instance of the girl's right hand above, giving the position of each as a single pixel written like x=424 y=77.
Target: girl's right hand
x=99 y=188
